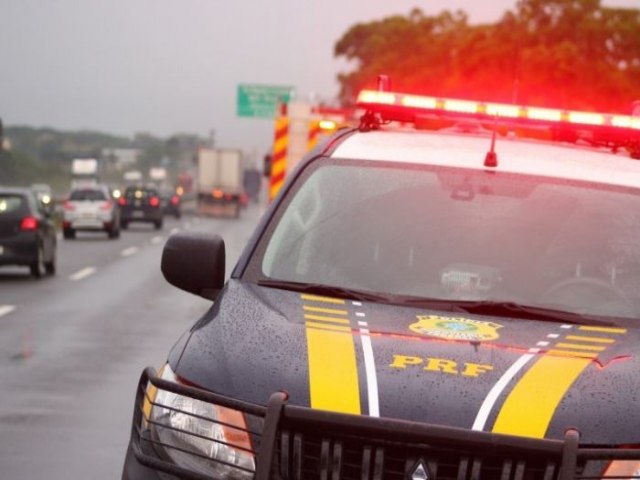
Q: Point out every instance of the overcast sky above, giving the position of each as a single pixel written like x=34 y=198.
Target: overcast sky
x=166 y=66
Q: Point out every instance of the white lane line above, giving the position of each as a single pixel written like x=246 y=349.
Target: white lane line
x=174 y=230
x=128 y=251
x=6 y=309
x=80 y=274
x=156 y=240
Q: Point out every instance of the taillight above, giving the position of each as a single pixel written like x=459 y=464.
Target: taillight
x=154 y=201
x=217 y=194
x=228 y=197
x=29 y=224
x=68 y=206
x=122 y=201
x=106 y=205
x=175 y=200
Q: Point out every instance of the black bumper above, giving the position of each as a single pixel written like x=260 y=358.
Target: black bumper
x=298 y=443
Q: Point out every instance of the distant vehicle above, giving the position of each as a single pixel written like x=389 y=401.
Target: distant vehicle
x=27 y=233
x=84 y=173
x=220 y=181
x=91 y=209
x=140 y=204
x=170 y=202
x=158 y=174
x=132 y=177
x=43 y=194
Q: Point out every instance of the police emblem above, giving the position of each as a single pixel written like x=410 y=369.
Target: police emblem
x=455 y=328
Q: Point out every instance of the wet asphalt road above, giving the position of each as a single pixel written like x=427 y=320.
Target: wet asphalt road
x=72 y=346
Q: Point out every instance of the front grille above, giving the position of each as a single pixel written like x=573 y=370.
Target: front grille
x=297 y=443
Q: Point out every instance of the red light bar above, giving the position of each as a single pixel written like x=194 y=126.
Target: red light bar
x=502 y=110
x=406 y=103
x=586 y=118
x=373 y=96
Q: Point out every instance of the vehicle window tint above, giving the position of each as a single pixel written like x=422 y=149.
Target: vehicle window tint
x=12 y=205
x=140 y=193
x=464 y=235
x=88 y=195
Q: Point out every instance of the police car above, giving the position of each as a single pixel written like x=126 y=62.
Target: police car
x=451 y=290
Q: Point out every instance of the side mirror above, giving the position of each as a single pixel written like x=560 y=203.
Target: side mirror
x=195 y=262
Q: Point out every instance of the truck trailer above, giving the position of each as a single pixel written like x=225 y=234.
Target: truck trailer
x=220 y=181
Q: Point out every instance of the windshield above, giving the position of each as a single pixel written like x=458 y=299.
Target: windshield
x=87 y=195
x=460 y=235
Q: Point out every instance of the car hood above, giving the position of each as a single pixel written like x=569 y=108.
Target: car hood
x=505 y=375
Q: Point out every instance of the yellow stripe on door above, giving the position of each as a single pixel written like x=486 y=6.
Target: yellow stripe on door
x=530 y=406
x=333 y=372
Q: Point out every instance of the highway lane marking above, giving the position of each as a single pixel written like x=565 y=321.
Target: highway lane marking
x=156 y=240
x=174 y=230
x=6 y=309
x=129 y=251
x=80 y=274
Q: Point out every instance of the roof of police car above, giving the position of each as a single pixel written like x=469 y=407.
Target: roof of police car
x=515 y=155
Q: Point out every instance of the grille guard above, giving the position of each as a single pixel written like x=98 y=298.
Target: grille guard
x=287 y=427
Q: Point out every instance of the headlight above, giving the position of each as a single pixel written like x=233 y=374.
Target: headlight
x=201 y=436
x=623 y=469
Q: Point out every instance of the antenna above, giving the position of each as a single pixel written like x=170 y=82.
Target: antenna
x=491 y=159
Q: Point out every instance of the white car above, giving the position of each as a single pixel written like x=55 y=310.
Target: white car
x=91 y=209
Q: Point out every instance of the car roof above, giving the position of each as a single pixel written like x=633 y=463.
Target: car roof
x=515 y=155
x=15 y=190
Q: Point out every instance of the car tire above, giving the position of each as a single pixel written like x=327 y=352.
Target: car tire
x=37 y=267
x=50 y=266
x=69 y=233
x=124 y=225
x=113 y=233
x=158 y=224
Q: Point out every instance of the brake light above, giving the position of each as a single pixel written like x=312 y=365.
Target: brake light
x=217 y=194
x=68 y=206
x=29 y=224
x=154 y=201
x=175 y=200
x=122 y=201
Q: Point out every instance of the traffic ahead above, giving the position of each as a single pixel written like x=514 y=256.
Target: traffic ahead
x=72 y=344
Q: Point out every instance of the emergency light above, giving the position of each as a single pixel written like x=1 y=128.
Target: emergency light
x=401 y=102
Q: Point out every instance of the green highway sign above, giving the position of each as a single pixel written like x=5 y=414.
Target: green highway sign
x=261 y=100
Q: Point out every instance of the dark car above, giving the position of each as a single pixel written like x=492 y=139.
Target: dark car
x=140 y=204
x=27 y=233
x=170 y=202
x=416 y=305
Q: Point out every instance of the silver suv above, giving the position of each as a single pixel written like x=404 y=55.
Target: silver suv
x=91 y=209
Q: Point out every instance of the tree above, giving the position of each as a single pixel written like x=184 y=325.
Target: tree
x=559 y=53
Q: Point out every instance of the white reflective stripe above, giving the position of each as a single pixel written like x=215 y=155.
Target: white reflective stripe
x=129 y=251
x=498 y=388
x=80 y=274
x=372 y=378
x=6 y=309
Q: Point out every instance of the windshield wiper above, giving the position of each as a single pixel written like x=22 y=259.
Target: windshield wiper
x=328 y=290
